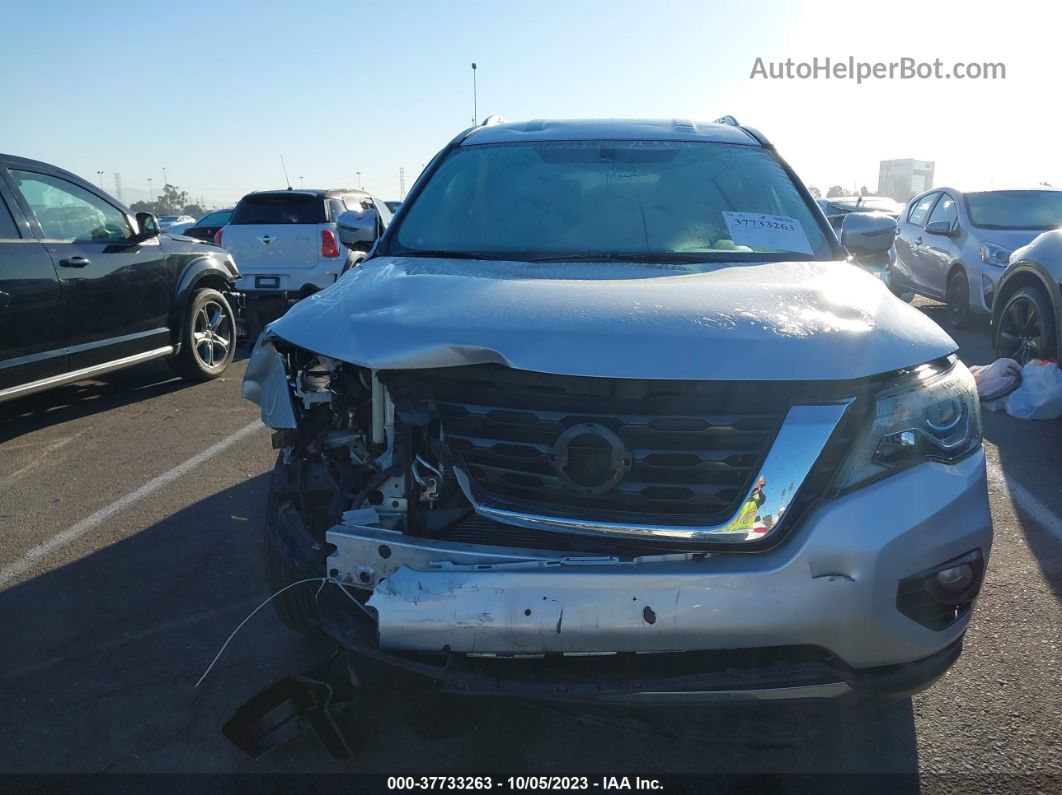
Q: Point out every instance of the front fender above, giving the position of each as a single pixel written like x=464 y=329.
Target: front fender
x=1019 y=274
x=206 y=270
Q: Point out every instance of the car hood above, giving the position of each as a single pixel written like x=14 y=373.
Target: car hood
x=770 y=321
x=1009 y=239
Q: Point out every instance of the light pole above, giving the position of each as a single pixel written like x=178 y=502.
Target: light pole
x=301 y=184
x=475 y=99
x=165 y=181
x=100 y=175
x=359 y=179
x=151 y=193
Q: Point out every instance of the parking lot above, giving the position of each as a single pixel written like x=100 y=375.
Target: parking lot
x=133 y=508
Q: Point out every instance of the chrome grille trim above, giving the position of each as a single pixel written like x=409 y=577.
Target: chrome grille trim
x=797 y=446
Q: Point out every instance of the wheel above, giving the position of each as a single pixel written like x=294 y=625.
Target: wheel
x=296 y=607
x=895 y=289
x=208 y=337
x=958 y=300
x=1026 y=327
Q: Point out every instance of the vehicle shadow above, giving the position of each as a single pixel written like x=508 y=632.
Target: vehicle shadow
x=103 y=654
x=92 y=396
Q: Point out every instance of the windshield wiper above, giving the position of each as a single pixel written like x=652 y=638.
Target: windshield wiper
x=442 y=254
x=652 y=259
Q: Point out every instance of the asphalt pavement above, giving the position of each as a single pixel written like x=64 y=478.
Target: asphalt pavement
x=131 y=546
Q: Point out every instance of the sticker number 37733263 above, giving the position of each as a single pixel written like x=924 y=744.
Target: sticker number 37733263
x=767 y=232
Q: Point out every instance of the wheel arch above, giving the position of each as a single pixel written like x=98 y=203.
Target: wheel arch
x=1027 y=274
x=205 y=271
x=956 y=265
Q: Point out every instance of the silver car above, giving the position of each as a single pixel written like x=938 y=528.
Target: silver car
x=953 y=246
x=607 y=414
x=1027 y=312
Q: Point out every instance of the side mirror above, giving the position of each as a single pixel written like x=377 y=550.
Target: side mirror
x=945 y=228
x=357 y=229
x=868 y=234
x=149 y=225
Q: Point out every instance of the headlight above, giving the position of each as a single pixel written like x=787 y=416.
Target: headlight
x=933 y=415
x=995 y=255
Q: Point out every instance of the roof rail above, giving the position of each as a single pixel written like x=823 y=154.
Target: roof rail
x=756 y=135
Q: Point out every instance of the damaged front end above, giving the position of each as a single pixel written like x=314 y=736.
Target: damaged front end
x=570 y=537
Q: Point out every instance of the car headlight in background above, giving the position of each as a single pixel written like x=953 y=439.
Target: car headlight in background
x=933 y=415
x=995 y=255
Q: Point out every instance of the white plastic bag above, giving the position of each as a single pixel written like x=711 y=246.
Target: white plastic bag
x=1040 y=395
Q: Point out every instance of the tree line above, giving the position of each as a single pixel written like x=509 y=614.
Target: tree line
x=171 y=201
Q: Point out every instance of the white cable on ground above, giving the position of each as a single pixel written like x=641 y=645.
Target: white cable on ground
x=323 y=580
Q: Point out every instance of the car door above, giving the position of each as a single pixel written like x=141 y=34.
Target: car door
x=32 y=335
x=939 y=251
x=910 y=242
x=117 y=288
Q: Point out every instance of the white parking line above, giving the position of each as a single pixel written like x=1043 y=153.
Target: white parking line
x=1025 y=500
x=89 y=523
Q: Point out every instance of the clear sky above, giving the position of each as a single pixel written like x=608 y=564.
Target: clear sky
x=216 y=91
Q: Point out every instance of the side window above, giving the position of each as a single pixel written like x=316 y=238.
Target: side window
x=335 y=208
x=68 y=212
x=8 y=230
x=945 y=211
x=918 y=213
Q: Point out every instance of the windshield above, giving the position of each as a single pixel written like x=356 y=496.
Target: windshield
x=220 y=218
x=1015 y=209
x=633 y=199
x=875 y=203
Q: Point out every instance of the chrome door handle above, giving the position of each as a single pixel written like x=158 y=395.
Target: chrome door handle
x=74 y=262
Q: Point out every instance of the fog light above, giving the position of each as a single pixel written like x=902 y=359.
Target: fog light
x=940 y=596
x=989 y=290
x=955 y=579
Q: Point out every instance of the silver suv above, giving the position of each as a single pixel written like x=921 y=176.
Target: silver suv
x=953 y=246
x=605 y=414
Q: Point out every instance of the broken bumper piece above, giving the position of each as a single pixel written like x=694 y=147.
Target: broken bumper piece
x=815 y=617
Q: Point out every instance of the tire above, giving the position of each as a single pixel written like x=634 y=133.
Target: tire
x=296 y=607
x=1026 y=328
x=208 y=337
x=957 y=299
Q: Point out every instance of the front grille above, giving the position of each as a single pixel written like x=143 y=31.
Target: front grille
x=693 y=447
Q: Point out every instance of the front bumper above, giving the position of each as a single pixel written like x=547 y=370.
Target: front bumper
x=831 y=586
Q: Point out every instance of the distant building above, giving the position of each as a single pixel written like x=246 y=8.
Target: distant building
x=902 y=179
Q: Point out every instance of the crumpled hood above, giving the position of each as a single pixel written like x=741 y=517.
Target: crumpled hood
x=773 y=321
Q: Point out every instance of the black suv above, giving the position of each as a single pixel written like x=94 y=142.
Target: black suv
x=87 y=288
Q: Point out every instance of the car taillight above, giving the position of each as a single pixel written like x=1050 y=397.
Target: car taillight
x=329 y=246
x=217 y=238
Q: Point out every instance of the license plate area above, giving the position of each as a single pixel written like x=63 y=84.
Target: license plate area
x=267 y=282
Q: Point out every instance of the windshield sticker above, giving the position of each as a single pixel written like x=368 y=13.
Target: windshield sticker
x=766 y=232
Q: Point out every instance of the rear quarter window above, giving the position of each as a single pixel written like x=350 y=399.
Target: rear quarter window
x=279 y=208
